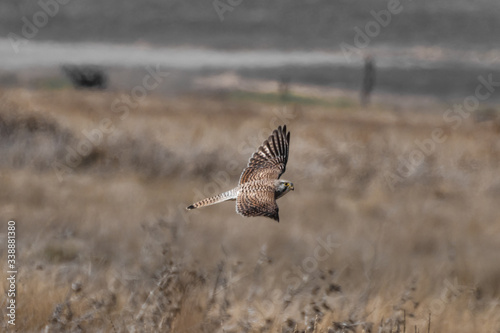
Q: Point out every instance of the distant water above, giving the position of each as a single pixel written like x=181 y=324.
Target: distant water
x=50 y=54
x=47 y=54
x=430 y=71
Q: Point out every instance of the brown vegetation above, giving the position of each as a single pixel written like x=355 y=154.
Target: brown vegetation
x=106 y=244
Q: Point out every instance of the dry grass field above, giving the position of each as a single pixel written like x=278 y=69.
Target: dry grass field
x=366 y=243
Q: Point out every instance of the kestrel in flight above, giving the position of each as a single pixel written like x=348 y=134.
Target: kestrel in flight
x=259 y=185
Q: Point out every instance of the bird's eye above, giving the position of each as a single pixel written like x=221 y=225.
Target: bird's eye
x=287 y=184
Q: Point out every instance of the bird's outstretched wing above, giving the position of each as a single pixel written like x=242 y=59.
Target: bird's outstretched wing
x=269 y=161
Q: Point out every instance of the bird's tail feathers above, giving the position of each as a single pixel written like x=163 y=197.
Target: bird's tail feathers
x=229 y=195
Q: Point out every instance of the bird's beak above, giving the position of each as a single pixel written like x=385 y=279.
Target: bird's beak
x=291 y=187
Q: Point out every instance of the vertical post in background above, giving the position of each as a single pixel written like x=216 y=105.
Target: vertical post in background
x=368 y=80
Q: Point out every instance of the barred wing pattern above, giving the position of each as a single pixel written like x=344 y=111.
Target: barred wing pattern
x=257 y=198
x=259 y=185
x=269 y=161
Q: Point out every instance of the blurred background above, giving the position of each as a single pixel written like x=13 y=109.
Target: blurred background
x=115 y=116
x=441 y=45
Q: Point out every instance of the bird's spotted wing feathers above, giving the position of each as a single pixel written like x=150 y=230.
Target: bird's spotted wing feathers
x=269 y=161
x=257 y=198
x=256 y=192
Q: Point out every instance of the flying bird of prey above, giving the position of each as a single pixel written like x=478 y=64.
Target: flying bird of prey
x=259 y=185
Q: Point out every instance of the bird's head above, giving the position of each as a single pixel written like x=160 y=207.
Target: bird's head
x=283 y=187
